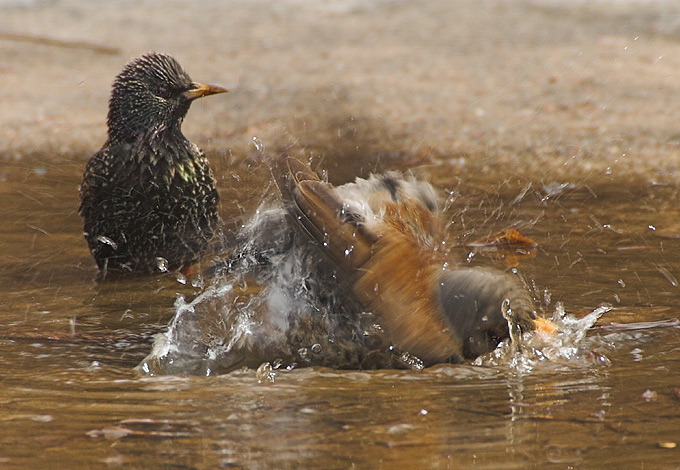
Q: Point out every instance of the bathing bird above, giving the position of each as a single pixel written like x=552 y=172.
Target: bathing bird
x=381 y=236
x=148 y=197
x=349 y=276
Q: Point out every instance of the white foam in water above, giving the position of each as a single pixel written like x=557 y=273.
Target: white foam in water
x=246 y=315
x=197 y=333
x=569 y=347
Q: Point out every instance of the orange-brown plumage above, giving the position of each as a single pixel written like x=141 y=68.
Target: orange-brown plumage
x=396 y=283
x=346 y=277
x=382 y=234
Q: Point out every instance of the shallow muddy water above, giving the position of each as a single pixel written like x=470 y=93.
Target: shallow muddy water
x=71 y=398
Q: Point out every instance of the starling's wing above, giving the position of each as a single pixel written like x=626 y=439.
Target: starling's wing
x=94 y=178
x=111 y=166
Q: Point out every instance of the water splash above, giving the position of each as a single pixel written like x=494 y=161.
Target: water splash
x=259 y=145
x=161 y=265
x=513 y=326
x=274 y=300
x=568 y=348
x=265 y=373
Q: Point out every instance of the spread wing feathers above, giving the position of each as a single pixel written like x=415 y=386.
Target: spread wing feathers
x=381 y=229
x=396 y=283
x=322 y=214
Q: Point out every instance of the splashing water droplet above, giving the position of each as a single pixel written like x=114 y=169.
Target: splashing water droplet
x=107 y=241
x=265 y=373
x=513 y=326
x=566 y=347
x=412 y=362
x=259 y=146
x=304 y=354
x=547 y=296
x=162 y=264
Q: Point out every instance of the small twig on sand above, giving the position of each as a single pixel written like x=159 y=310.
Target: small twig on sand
x=48 y=41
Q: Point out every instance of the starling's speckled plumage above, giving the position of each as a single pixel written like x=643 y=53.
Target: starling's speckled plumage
x=148 y=197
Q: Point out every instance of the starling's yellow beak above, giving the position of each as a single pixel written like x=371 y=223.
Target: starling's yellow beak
x=199 y=90
x=545 y=326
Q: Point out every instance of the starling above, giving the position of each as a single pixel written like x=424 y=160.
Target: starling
x=148 y=197
x=380 y=234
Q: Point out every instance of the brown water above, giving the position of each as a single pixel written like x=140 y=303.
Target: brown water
x=70 y=397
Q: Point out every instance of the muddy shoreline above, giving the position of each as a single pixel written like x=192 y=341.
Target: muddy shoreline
x=523 y=88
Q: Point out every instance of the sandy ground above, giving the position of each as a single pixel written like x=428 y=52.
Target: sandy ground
x=524 y=87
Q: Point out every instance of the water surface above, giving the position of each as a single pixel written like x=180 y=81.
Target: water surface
x=71 y=398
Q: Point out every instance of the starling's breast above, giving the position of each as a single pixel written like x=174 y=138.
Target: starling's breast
x=153 y=202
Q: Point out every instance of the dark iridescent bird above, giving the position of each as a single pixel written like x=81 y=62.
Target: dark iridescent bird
x=380 y=234
x=148 y=197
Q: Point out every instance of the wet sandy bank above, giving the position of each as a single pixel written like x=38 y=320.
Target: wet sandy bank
x=523 y=88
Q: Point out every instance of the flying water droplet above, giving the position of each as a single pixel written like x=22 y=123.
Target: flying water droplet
x=513 y=326
x=265 y=373
x=259 y=146
x=304 y=354
x=162 y=264
x=412 y=362
x=107 y=241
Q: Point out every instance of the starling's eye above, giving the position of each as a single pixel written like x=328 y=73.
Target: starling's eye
x=164 y=93
x=164 y=90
